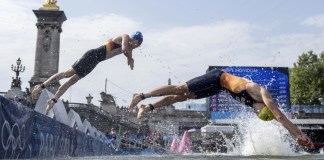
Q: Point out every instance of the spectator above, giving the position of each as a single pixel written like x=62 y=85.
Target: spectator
x=126 y=134
x=113 y=134
x=159 y=140
x=113 y=137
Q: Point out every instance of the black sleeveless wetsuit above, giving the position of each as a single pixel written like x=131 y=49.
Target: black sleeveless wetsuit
x=210 y=84
x=91 y=58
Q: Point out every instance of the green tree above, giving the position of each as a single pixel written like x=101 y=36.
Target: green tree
x=307 y=79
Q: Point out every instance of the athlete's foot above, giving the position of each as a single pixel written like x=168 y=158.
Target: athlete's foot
x=36 y=92
x=143 y=108
x=50 y=104
x=136 y=99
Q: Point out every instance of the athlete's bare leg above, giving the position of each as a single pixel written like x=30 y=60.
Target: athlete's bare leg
x=181 y=89
x=61 y=91
x=56 y=77
x=165 y=101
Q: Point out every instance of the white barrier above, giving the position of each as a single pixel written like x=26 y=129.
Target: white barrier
x=72 y=119
x=86 y=127
x=75 y=120
x=58 y=111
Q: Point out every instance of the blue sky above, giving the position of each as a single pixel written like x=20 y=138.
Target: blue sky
x=181 y=39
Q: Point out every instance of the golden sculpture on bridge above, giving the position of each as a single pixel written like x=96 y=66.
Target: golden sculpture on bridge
x=50 y=5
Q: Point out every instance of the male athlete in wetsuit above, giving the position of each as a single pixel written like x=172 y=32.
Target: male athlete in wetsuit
x=214 y=81
x=115 y=46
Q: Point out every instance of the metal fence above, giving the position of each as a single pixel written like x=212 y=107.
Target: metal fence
x=307 y=108
x=307 y=112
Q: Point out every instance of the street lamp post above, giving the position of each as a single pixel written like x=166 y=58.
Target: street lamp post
x=17 y=69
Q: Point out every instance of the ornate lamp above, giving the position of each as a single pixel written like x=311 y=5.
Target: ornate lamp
x=19 y=68
x=18 y=61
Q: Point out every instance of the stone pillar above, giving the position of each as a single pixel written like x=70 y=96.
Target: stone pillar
x=49 y=26
x=108 y=103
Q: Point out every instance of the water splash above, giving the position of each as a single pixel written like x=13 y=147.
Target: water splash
x=253 y=137
x=264 y=138
x=270 y=82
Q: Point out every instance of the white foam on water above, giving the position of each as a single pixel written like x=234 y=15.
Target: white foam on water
x=257 y=137
x=265 y=138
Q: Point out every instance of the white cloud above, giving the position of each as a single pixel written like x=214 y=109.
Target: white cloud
x=179 y=53
x=317 y=21
x=94 y=26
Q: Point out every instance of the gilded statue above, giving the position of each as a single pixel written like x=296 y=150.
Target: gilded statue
x=50 y=5
x=50 y=2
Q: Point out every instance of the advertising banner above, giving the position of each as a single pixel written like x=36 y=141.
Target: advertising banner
x=26 y=134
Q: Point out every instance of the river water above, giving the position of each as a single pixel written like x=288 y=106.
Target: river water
x=258 y=140
x=208 y=156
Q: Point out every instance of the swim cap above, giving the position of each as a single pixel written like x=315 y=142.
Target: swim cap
x=265 y=114
x=138 y=36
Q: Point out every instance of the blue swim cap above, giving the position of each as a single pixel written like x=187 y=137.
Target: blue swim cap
x=138 y=36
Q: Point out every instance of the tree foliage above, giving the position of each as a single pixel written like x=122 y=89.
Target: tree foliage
x=307 y=79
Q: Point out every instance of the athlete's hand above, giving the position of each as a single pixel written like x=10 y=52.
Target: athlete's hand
x=304 y=140
x=130 y=62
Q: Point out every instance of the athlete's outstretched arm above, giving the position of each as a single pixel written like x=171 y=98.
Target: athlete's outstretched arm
x=302 y=138
x=130 y=60
x=127 y=50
